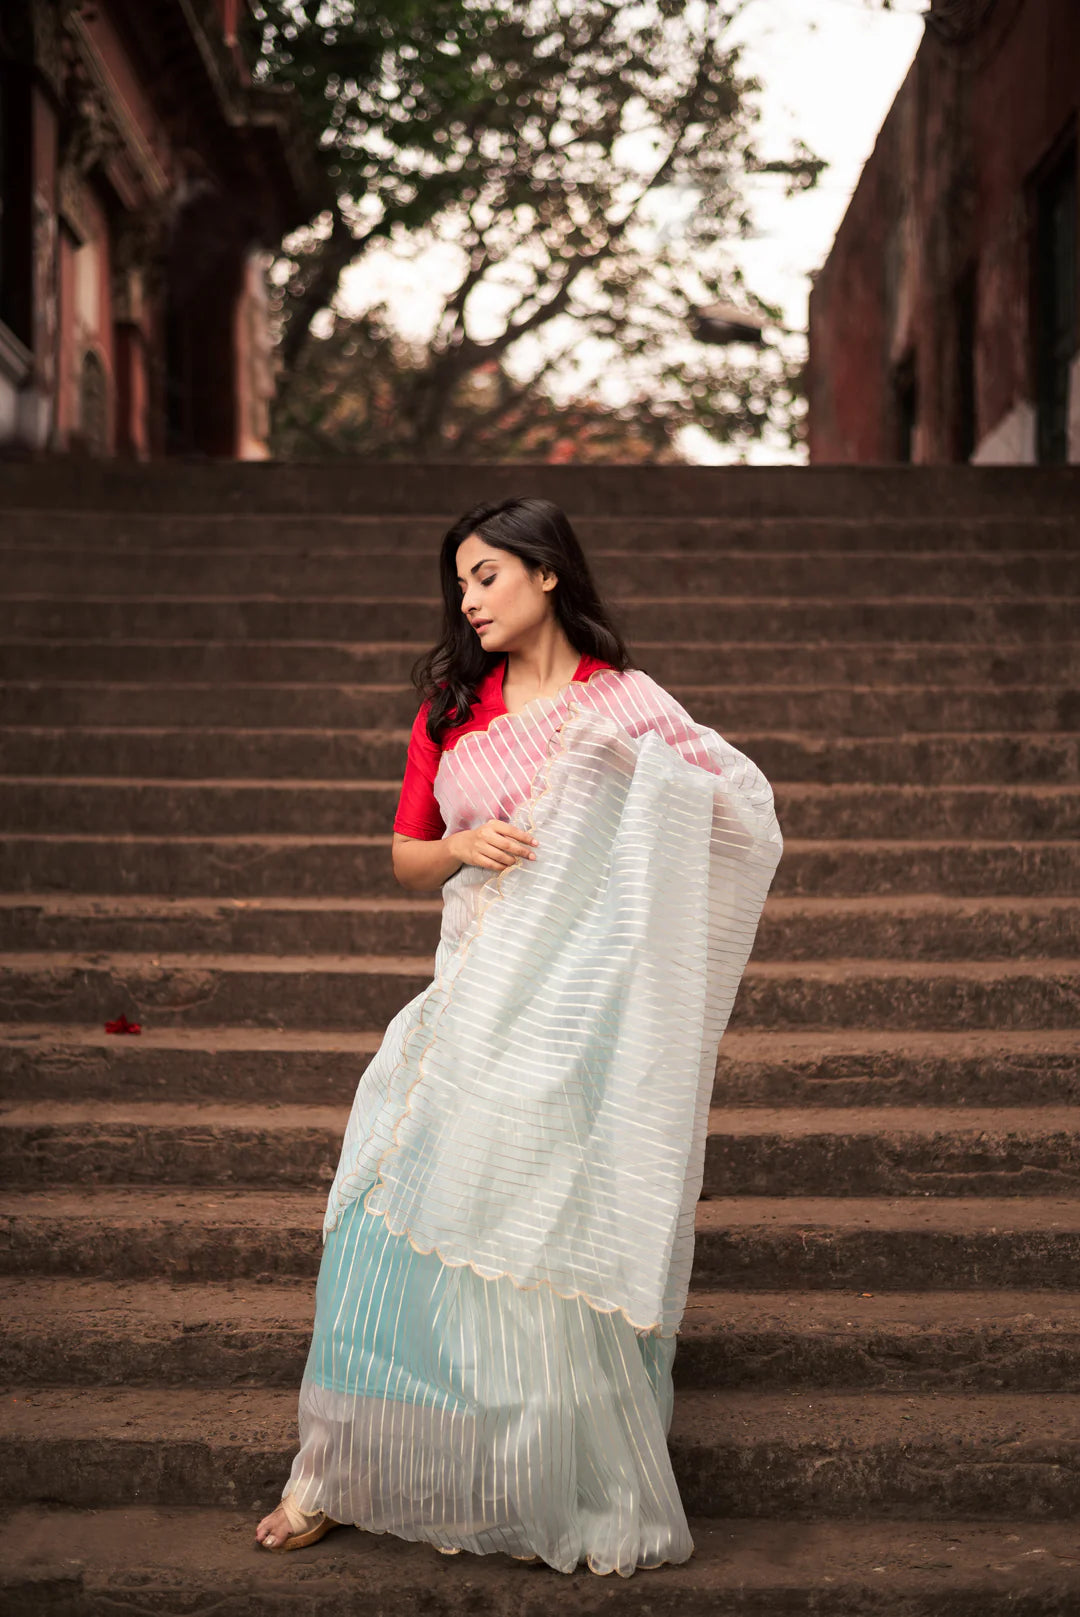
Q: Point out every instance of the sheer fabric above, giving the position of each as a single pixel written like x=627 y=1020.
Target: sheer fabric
x=418 y=814
x=510 y=1229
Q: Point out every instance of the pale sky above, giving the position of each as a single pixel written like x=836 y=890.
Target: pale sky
x=829 y=71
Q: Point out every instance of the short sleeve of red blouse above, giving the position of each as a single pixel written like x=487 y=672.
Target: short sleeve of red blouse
x=417 y=811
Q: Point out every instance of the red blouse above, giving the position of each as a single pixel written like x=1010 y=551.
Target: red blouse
x=417 y=811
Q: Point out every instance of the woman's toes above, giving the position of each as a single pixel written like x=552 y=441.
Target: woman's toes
x=273 y=1528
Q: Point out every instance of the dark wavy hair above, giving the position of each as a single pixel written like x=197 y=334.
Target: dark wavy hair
x=540 y=533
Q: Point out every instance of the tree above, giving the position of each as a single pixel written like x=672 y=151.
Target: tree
x=350 y=389
x=533 y=141
x=376 y=82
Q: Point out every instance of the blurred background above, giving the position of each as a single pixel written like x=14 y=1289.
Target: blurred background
x=536 y=230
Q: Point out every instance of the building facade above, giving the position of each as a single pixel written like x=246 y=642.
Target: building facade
x=143 y=176
x=944 y=323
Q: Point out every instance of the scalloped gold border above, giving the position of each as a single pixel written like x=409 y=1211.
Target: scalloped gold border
x=654 y=1327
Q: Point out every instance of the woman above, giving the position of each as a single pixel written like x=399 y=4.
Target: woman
x=508 y=1237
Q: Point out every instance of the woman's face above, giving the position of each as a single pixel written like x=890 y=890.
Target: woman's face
x=502 y=600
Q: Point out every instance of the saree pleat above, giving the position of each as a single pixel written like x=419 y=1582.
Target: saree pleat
x=509 y=1234
x=468 y=1413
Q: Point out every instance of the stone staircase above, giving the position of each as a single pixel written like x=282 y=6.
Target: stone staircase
x=203 y=714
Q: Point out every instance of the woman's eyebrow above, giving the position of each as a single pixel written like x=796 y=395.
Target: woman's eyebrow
x=485 y=561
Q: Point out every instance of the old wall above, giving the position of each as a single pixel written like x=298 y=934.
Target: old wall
x=157 y=178
x=924 y=307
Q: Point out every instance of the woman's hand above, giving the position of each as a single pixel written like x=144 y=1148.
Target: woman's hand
x=421 y=866
x=495 y=845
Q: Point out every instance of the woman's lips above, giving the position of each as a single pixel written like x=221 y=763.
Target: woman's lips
x=479 y=627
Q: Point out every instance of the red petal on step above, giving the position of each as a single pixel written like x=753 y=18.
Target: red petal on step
x=122 y=1025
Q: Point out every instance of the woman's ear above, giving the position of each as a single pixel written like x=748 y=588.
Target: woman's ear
x=548 y=578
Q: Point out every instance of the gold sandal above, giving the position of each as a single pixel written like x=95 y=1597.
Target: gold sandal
x=305 y=1529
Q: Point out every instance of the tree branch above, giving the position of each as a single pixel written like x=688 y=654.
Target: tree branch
x=334 y=255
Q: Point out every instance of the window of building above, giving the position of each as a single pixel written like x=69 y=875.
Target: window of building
x=15 y=214
x=905 y=405
x=1055 y=324
x=965 y=311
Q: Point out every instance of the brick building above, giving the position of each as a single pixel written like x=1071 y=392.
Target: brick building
x=943 y=325
x=142 y=175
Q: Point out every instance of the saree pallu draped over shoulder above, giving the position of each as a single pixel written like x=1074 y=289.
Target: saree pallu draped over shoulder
x=509 y=1234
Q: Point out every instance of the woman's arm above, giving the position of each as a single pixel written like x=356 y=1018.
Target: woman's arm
x=421 y=866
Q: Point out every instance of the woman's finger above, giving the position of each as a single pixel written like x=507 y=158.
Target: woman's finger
x=514 y=832
x=511 y=837
x=491 y=848
x=512 y=851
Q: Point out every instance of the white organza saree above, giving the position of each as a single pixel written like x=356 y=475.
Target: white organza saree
x=509 y=1234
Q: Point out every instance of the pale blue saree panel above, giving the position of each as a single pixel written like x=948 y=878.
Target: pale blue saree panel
x=438 y=1405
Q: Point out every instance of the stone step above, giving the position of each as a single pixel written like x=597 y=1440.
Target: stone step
x=55 y=1560
x=309 y=865
x=857 y=1068
x=888 y=1151
x=152 y=1333
x=43 y=568
x=835 y=1455
x=808 y=708
x=344 y=991
x=719 y=618
x=319 y=808
x=644 y=535
x=744 y=1243
x=935 y=1243
x=735 y=663
x=956 y=758
x=388 y=489
x=908 y=1457
x=365 y=926
x=897 y=1342
x=922 y=927
x=76 y=1062
x=72 y=1062
x=873 y=1151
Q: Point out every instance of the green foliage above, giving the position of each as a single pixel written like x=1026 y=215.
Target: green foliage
x=541 y=142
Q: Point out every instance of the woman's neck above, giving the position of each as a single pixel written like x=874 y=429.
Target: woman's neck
x=540 y=669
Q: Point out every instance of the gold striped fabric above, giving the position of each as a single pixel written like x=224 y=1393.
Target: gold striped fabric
x=510 y=1230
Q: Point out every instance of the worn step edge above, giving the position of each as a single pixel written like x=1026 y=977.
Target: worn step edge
x=873 y=904
x=427 y=597
x=801 y=1454
x=971 y=1067
x=100 y=1332
x=780 y=971
x=291 y=839
x=371 y=650
x=57 y=1561
x=743 y=1243
x=738 y=1045
x=869 y=1151
x=793 y=1123
x=683 y=688
x=727 y=548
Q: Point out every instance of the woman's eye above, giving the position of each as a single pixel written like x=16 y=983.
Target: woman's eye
x=490 y=580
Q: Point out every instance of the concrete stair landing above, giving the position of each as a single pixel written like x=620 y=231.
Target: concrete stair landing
x=204 y=702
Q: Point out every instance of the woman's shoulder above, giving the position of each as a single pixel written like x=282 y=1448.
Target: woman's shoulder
x=484 y=705
x=635 y=699
x=630 y=681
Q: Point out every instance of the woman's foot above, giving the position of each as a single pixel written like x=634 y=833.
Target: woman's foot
x=273 y=1529
x=283 y=1530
